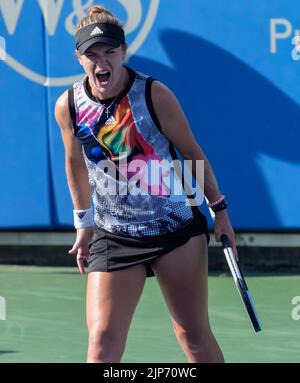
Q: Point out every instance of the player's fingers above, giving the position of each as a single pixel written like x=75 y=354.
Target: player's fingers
x=237 y=254
x=80 y=263
x=79 y=248
x=234 y=249
x=84 y=250
x=74 y=249
x=233 y=245
x=232 y=241
x=218 y=236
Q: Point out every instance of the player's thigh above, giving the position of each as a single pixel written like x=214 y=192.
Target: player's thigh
x=112 y=298
x=182 y=276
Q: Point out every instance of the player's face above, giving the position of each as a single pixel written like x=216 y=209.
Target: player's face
x=103 y=65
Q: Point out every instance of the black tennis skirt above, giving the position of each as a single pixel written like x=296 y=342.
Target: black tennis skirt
x=110 y=252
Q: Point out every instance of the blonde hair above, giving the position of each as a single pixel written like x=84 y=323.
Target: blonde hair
x=98 y=14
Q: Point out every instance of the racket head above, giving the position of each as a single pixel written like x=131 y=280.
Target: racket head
x=240 y=283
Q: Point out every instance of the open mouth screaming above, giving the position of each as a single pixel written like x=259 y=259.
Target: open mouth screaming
x=103 y=77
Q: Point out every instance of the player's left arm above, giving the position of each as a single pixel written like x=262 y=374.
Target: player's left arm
x=175 y=127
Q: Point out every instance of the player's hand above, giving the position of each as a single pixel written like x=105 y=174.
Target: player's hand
x=81 y=248
x=223 y=226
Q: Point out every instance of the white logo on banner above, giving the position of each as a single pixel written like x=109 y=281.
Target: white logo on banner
x=51 y=12
x=282 y=29
x=2 y=48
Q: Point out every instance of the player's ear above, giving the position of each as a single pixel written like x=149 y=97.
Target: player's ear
x=124 y=50
x=78 y=55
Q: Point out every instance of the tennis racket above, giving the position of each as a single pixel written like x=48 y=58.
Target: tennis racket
x=240 y=282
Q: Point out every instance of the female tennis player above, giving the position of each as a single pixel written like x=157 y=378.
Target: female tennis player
x=117 y=124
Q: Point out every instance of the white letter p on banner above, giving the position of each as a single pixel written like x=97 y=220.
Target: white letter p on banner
x=275 y=35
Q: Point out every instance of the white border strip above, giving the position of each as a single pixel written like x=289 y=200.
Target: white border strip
x=36 y=239
x=67 y=239
x=263 y=240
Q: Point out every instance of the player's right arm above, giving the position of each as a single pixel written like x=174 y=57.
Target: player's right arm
x=77 y=174
x=75 y=166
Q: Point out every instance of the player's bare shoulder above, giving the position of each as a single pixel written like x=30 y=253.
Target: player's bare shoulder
x=161 y=95
x=164 y=100
x=62 y=112
x=167 y=109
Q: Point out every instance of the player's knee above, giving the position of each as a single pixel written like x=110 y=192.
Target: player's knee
x=194 y=340
x=105 y=346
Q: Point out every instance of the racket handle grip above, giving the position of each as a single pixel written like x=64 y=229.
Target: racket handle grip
x=225 y=241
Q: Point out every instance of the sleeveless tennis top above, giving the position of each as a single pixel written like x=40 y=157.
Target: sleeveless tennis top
x=129 y=160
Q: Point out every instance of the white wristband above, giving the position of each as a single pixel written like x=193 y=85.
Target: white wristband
x=83 y=218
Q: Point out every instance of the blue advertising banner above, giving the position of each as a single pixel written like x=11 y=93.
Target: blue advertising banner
x=24 y=169
x=234 y=66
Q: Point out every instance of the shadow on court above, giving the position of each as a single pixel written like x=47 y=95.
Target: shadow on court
x=3 y=352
